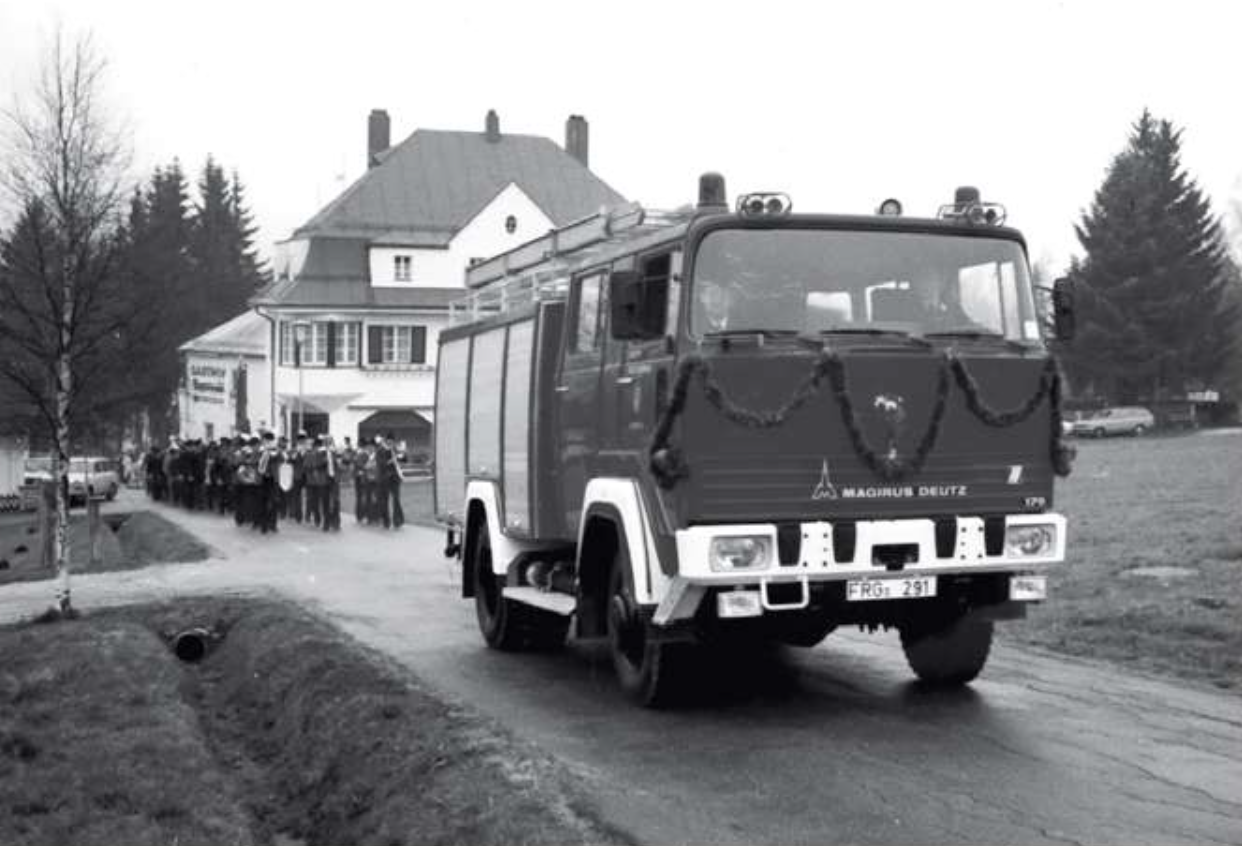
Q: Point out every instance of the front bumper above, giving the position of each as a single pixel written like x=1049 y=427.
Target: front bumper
x=818 y=558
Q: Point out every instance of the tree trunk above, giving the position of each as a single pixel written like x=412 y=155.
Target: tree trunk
x=64 y=389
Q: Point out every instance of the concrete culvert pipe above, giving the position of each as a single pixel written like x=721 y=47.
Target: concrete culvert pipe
x=191 y=645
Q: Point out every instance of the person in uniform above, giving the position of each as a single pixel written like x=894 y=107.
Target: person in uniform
x=390 y=483
x=269 y=471
x=248 y=484
x=363 y=459
x=315 y=465
x=345 y=460
x=296 y=507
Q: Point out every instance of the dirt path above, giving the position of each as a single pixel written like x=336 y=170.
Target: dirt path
x=835 y=744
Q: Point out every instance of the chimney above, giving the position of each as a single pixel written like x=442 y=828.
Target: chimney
x=492 y=126
x=577 y=139
x=377 y=136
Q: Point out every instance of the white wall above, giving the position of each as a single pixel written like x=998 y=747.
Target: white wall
x=288 y=258
x=483 y=237
x=200 y=405
x=375 y=386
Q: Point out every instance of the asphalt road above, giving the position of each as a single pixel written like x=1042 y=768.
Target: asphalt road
x=833 y=744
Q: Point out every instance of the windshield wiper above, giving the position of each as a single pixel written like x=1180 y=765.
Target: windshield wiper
x=977 y=335
x=725 y=335
x=872 y=332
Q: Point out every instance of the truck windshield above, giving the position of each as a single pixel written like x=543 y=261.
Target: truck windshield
x=824 y=280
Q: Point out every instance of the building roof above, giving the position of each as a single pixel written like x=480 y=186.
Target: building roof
x=245 y=334
x=329 y=293
x=435 y=181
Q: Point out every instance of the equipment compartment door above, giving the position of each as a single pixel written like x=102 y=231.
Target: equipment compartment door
x=578 y=388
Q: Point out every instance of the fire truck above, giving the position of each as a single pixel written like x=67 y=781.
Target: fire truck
x=674 y=430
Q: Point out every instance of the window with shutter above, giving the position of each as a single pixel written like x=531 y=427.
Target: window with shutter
x=418 y=345
x=333 y=328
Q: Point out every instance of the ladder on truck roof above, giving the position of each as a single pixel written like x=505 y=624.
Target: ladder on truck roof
x=539 y=269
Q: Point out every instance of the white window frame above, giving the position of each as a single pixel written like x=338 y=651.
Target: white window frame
x=403 y=268
x=285 y=342
x=347 y=354
x=315 y=349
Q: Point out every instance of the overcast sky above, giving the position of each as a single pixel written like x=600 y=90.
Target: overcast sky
x=838 y=104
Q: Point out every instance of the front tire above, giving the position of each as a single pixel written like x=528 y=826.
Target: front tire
x=1140 y=430
x=650 y=672
x=948 y=654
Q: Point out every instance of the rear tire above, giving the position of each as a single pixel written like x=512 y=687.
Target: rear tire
x=1140 y=430
x=496 y=615
x=1099 y=433
x=948 y=654
x=650 y=672
x=508 y=625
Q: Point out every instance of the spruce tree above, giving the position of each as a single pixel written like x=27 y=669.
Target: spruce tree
x=210 y=247
x=251 y=275
x=1155 y=315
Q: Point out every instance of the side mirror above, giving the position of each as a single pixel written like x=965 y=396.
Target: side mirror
x=1063 y=309
x=637 y=306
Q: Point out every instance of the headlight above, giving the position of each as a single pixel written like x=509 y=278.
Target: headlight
x=1030 y=540
x=740 y=552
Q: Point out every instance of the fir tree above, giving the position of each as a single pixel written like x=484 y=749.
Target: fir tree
x=1155 y=317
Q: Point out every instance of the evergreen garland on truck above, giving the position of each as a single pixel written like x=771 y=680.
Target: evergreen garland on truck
x=668 y=464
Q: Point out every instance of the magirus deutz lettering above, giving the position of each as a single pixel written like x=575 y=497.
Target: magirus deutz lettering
x=670 y=431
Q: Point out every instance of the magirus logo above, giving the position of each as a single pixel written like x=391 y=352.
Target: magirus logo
x=824 y=489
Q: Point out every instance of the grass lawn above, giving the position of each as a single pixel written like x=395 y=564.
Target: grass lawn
x=1151 y=502
x=129 y=541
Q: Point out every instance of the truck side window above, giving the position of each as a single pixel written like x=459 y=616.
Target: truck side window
x=586 y=329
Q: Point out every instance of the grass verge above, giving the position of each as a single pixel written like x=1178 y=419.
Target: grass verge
x=98 y=746
x=1139 y=503
x=287 y=731
x=128 y=541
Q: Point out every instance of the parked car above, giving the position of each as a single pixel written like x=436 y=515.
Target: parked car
x=1120 y=420
x=38 y=469
x=93 y=475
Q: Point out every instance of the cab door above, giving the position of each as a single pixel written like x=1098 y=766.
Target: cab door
x=636 y=374
x=577 y=389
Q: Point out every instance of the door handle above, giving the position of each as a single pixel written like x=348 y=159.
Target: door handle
x=625 y=380
x=561 y=389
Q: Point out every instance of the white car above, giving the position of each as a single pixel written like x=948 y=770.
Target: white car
x=93 y=476
x=1121 y=420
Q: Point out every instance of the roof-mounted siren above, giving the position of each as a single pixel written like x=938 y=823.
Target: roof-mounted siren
x=968 y=208
x=712 y=196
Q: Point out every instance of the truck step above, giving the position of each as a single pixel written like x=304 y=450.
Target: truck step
x=557 y=603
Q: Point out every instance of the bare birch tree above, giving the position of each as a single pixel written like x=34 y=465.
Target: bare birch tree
x=63 y=171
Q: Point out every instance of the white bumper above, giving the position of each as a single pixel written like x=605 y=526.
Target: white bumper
x=817 y=562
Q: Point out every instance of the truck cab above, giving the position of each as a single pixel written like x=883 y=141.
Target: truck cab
x=759 y=424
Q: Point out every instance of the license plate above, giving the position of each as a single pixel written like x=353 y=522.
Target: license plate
x=911 y=587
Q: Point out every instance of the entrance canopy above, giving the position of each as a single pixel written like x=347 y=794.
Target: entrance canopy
x=316 y=403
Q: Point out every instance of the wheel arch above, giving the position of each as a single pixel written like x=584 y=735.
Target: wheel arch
x=614 y=517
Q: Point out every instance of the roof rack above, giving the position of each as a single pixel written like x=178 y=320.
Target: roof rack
x=539 y=270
